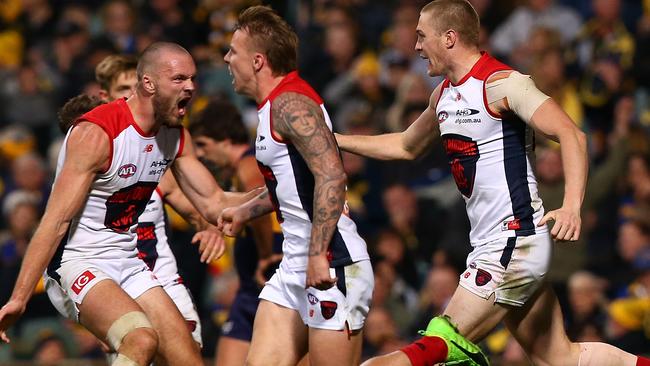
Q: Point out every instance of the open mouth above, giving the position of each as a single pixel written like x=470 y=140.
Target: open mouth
x=182 y=106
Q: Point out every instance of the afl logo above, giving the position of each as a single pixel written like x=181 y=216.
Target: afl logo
x=312 y=299
x=82 y=281
x=442 y=116
x=127 y=170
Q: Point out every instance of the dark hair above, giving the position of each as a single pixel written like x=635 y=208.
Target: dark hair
x=111 y=67
x=75 y=108
x=220 y=120
x=458 y=15
x=272 y=36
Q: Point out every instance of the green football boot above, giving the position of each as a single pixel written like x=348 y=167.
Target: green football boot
x=460 y=351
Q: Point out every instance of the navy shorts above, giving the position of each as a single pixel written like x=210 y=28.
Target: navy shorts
x=242 y=315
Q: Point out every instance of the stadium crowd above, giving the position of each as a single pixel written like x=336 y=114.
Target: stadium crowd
x=591 y=56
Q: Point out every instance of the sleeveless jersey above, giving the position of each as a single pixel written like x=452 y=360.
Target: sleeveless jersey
x=489 y=158
x=245 y=251
x=153 y=242
x=106 y=226
x=291 y=188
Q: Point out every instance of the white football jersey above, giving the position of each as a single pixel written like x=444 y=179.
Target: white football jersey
x=291 y=188
x=153 y=243
x=489 y=158
x=106 y=225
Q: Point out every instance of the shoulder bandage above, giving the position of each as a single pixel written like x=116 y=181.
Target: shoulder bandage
x=122 y=360
x=124 y=325
x=520 y=91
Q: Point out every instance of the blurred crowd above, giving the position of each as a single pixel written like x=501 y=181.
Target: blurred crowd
x=591 y=56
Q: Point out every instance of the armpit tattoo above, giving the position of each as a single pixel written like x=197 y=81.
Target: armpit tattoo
x=300 y=120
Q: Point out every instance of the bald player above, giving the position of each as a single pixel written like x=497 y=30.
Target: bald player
x=110 y=164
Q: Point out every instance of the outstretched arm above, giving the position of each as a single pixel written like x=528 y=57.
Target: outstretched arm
x=233 y=219
x=300 y=120
x=69 y=194
x=199 y=185
x=405 y=145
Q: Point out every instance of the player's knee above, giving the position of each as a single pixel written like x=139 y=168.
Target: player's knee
x=134 y=330
x=145 y=340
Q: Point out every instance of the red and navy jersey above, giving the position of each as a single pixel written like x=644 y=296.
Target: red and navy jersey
x=106 y=226
x=245 y=252
x=153 y=241
x=291 y=187
x=489 y=158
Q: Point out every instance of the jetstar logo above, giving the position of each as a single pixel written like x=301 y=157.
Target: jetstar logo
x=127 y=170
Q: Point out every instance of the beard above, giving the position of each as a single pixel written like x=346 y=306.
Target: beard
x=163 y=111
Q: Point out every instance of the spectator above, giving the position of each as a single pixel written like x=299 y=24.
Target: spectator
x=510 y=37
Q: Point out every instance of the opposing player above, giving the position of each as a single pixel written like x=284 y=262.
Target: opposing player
x=319 y=297
x=483 y=111
x=110 y=164
x=220 y=137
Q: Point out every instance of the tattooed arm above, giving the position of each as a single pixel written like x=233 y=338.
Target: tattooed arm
x=233 y=219
x=300 y=121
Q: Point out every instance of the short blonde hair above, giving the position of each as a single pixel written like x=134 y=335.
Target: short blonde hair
x=458 y=15
x=111 y=67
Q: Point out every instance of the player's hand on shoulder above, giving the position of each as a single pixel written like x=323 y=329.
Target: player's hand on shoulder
x=9 y=313
x=211 y=244
x=566 y=224
x=318 y=273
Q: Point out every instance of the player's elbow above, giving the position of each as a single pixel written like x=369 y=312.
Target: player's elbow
x=339 y=178
x=334 y=179
x=412 y=152
x=409 y=155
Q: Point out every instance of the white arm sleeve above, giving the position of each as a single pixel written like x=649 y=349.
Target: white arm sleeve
x=521 y=93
